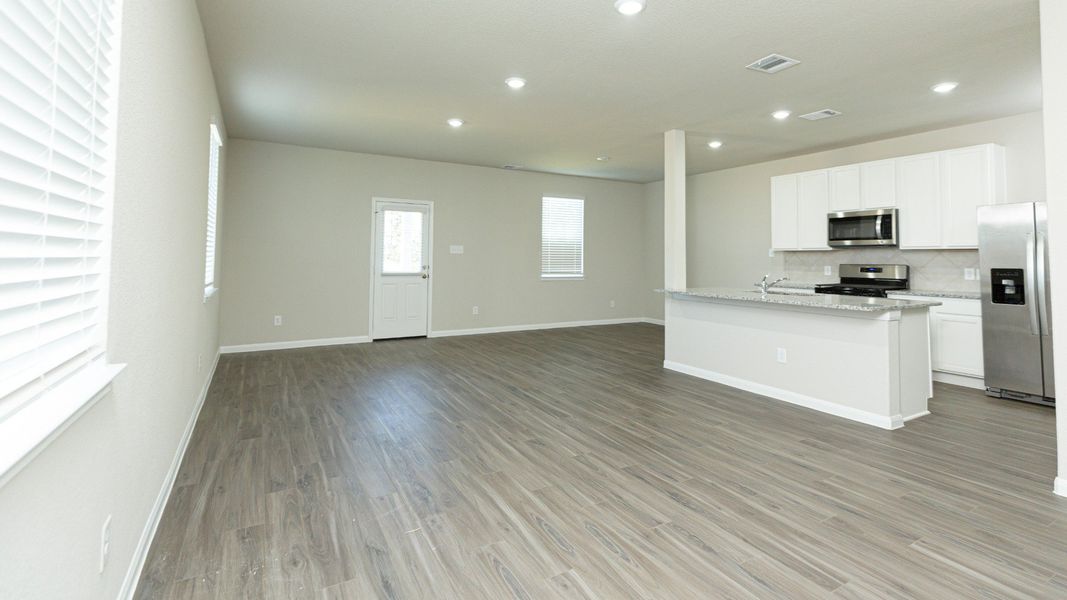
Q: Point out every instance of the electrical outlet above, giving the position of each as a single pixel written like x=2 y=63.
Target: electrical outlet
x=827 y=270
x=782 y=356
x=969 y=274
x=199 y=362
x=611 y=304
x=455 y=249
x=105 y=542
x=277 y=320
x=474 y=310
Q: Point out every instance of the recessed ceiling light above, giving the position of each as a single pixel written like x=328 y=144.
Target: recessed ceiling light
x=455 y=122
x=603 y=158
x=945 y=87
x=781 y=115
x=515 y=83
x=629 y=7
x=714 y=144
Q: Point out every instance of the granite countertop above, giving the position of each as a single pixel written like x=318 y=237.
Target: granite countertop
x=800 y=285
x=939 y=294
x=828 y=301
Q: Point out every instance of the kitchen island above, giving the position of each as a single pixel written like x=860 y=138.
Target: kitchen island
x=864 y=359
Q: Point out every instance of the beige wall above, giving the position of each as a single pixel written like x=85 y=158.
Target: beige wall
x=728 y=220
x=114 y=458
x=298 y=243
x=654 y=265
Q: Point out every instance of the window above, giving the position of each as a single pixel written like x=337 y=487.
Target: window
x=402 y=242
x=212 y=210
x=562 y=237
x=57 y=98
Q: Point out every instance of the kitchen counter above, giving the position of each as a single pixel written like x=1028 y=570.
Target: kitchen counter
x=938 y=294
x=800 y=285
x=864 y=359
x=827 y=301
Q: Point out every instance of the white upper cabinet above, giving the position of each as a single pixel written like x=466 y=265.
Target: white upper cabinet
x=938 y=195
x=971 y=179
x=813 y=194
x=919 y=198
x=878 y=184
x=784 y=212
x=845 y=188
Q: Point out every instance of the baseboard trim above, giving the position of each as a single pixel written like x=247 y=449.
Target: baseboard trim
x=652 y=321
x=915 y=416
x=852 y=414
x=537 y=326
x=260 y=347
x=1061 y=486
x=133 y=573
x=967 y=381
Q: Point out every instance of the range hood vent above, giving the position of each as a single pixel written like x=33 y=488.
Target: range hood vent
x=818 y=115
x=773 y=64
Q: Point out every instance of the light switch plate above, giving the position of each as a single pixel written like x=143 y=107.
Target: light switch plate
x=770 y=253
x=969 y=274
x=455 y=249
x=827 y=270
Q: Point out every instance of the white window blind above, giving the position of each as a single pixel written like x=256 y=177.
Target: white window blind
x=56 y=105
x=562 y=237
x=212 y=208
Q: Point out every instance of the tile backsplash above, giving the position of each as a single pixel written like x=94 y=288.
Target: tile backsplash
x=935 y=270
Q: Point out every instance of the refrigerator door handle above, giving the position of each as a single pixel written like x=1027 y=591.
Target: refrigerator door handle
x=1031 y=254
x=1041 y=277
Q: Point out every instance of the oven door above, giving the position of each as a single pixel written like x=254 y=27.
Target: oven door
x=863 y=227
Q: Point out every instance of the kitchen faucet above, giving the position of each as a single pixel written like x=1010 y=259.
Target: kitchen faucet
x=764 y=286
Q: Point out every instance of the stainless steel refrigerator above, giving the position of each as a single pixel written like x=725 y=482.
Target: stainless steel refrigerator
x=1016 y=325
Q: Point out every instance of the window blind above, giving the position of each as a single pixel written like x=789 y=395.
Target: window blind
x=56 y=102
x=212 y=207
x=562 y=236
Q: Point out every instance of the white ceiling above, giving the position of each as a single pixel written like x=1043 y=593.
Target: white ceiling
x=382 y=76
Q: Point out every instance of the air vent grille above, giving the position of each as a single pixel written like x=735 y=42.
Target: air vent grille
x=772 y=64
x=825 y=113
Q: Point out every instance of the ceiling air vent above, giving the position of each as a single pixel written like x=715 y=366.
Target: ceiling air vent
x=513 y=167
x=772 y=64
x=825 y=113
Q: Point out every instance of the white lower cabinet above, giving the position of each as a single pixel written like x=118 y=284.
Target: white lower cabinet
x=955 y=336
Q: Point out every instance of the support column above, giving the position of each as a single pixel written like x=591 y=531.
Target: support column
x=674 y=209
x=1054 y=83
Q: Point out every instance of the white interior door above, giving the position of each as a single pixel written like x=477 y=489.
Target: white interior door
x=401 y=269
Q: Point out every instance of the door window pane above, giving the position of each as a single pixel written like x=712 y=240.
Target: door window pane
x=401 y=242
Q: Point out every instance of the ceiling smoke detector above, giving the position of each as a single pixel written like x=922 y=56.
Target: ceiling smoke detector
x=818 y=115
x=773 y=63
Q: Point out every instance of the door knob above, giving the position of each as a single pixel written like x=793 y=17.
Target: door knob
x=425 y=275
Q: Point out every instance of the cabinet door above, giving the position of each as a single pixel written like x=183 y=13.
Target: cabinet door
x=813 y=194
x=919 y=198
x=956 y=342
x=784 y=212
x=845 y=188
x=968 y=184
x=878 y=184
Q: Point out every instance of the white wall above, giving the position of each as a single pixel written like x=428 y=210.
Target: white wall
x=729 y=210
x=298 y=243
x=113 y=460
x=1054 y=81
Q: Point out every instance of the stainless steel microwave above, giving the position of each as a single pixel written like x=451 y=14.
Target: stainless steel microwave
x=876 y=227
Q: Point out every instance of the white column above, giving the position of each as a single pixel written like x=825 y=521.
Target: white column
x=674 y=209
x=1054 y=82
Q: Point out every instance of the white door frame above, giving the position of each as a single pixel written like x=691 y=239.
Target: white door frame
x=428 y=204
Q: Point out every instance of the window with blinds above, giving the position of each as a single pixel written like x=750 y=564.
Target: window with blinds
x=562 y=237
x=57 y=103
x=212 y=209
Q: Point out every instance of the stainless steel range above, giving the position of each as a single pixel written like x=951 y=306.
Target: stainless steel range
x=873 y=281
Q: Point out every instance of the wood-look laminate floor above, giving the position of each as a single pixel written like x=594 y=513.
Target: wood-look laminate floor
x=569 y=464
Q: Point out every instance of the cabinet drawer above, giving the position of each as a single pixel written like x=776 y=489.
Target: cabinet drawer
x=951 y=306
